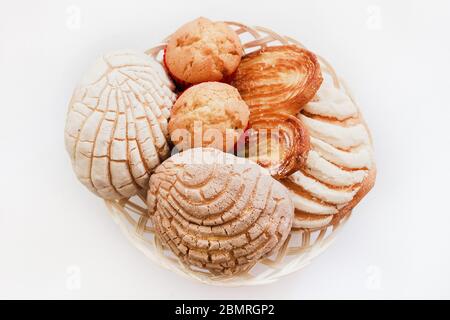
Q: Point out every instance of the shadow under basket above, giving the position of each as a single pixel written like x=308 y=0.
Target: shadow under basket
x=301 y=246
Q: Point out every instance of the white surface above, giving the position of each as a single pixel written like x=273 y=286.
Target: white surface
x=57 y=240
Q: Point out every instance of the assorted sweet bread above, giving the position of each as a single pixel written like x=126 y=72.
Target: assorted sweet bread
x=201 y=51
x=245 y=149
x=218 y=212
x=209 y=114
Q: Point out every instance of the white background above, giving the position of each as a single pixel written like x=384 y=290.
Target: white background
x=393 y=54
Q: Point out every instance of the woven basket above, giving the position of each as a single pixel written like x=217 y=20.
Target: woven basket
x=301 y=245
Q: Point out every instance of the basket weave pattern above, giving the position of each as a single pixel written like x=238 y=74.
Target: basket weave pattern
x=301 y=245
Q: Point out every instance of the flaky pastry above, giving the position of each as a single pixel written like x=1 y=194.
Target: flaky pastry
x=278 y=142
x=280 y=79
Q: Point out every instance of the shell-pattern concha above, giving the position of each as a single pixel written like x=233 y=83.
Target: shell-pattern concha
x=116 y=128
x=339 y=165
x=218 y=212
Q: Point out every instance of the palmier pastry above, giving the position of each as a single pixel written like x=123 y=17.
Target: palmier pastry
x=210 y=114
x=278 y=79
x=339 y=169
x=218 y=212
x=276 y=141
x=116 y=128
x=201 y=51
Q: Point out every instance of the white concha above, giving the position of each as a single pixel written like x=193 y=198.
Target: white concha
x=340 y=164
x=116 y=129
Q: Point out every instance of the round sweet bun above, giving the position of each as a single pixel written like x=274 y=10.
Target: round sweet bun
x=218 y=212
x=201 y=51
x=210 y=114
x=116 y=128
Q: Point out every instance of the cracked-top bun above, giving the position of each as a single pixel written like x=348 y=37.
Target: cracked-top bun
x=209 y=114
x=116 y=128
x=218 y=212
x=202 y=50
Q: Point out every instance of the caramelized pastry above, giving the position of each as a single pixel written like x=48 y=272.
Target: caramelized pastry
x=201 y=51
x=278 y=79
x=210 y=114
x=278 y=142
x=218 y=212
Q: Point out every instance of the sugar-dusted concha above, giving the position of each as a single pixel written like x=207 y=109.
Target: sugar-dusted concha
x=218 y=212
x=339 y=169
x=116 y=129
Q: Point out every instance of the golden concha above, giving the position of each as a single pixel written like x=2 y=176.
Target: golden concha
x=218 y=212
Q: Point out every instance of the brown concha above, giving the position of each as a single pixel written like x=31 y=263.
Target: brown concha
x=218 y=212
